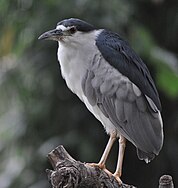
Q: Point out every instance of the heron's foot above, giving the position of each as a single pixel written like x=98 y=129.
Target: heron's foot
x=98 y=165
x=117 y=177
x=101 y=166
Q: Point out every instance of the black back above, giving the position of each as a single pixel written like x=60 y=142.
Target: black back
x=79 y=24
x=120 y=55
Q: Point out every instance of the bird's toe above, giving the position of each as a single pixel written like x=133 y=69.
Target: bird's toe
x=101 y=166
x=117 y=177
x=98 y=165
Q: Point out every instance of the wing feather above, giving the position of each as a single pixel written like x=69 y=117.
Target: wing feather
x=120 y=55
x=126 y=106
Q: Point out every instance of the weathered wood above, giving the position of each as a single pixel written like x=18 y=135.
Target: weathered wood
x=69 y=173
x=166 y=181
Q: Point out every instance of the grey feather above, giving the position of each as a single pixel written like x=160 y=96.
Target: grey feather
x=141 y=103
x=87 y=87
x=145 y=156
x=136 y=90
x=119 y=107
x=151 y=103
x=126 y=107
x=106 y=87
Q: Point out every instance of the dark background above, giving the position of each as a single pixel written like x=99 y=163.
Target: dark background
x=38 y=112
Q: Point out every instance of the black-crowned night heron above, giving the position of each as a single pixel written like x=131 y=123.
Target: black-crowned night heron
x=115 y=85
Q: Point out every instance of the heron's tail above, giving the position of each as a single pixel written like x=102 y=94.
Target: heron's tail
x=147 y=157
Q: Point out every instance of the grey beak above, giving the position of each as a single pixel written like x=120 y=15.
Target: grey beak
x=51 y=35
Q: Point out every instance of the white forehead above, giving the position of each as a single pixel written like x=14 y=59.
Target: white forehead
x=62 y=27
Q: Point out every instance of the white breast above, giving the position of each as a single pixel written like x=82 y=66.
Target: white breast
x=70 y=61
x=74 y=60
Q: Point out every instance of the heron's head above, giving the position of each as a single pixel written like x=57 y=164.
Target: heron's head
x=69 y=30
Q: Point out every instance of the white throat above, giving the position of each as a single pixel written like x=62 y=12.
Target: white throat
x=75 y=59
x=74 y=55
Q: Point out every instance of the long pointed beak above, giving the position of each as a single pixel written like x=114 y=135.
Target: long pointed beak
x=51 y=35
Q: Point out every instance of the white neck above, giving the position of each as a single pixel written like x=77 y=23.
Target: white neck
x=74 y=55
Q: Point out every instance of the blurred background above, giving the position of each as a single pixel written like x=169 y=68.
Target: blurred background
x=38 y=112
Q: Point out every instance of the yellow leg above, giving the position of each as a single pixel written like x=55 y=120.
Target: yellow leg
x=107 y=150
x=104 y=157
x=118 y=172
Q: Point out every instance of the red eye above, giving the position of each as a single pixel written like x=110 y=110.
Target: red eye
x=73 y=30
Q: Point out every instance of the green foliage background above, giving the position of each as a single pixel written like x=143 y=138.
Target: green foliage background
x=38 y=112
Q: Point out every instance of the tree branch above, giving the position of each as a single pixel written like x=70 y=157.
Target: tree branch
x=69 y=173
x=166 y=181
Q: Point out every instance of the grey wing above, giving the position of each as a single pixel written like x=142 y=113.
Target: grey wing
x=132 y=113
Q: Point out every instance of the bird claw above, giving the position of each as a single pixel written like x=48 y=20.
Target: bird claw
x=97 y=165
x=103 y=167
x=117 y=177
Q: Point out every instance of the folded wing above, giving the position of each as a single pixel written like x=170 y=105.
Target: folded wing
x=133 y=107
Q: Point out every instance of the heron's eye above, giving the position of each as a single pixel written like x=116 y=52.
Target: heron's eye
x=73 y=30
